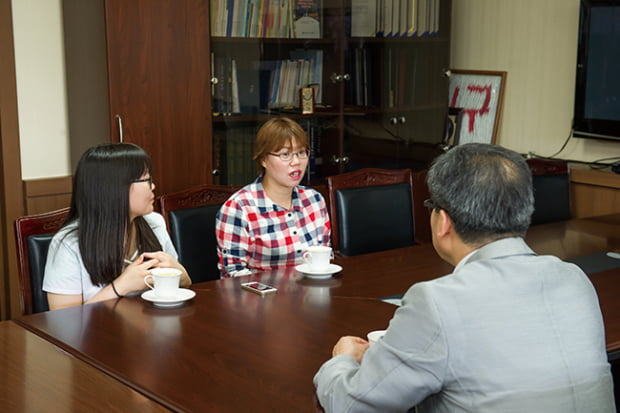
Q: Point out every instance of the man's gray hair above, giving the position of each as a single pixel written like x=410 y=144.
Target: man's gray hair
x=485 y=189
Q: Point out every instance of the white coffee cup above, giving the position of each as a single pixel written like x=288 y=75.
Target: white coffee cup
x=317 y=257
x=165 y=281
x=375 y=336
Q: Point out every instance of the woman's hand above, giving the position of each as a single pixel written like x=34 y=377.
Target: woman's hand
x=165 y=260
x=132 y=279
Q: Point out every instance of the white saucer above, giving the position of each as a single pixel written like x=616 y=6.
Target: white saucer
x=326 y=273
x=183 y=295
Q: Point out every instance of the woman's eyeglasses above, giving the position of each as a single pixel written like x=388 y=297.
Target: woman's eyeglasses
x=287 y=156
x=149 y=180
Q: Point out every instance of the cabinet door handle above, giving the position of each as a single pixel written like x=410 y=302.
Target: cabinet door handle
x=393 y=121
x=346 y=76
x=335 y=160
x=215 y=172
x=402 y=119
x=120 y=128
x=214 y=80
x=345 y=159
x=335 y=78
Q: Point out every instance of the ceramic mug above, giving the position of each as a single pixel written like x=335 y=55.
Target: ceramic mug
x=165 y=281
x=375 y=336
x=318 y=257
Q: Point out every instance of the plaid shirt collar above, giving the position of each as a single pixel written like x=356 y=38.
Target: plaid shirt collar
x=265 y=204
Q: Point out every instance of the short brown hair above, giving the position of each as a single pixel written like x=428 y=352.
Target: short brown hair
x=275 y=134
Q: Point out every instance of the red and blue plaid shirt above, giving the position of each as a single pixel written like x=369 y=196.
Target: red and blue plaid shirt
x=254 y=233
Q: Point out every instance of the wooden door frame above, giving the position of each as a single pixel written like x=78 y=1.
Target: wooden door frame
x=11 y=190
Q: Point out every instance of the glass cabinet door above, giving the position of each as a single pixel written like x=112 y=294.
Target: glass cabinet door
x=263 y=55
x=396 y=102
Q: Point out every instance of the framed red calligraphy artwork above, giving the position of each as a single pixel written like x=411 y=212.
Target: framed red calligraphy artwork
x=479 y=93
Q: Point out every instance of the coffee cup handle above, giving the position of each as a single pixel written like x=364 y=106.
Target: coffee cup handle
x=307 y=257
x=147 y=283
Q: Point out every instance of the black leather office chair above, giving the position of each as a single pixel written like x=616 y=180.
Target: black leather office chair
x=33 y=235
x=371 y=210
x=190 y=215
x=551 y=181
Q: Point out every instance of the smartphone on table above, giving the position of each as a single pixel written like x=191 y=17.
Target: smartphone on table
x=259 y=288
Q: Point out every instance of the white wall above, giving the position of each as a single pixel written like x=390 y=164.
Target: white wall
x=41 y=96
x=535 y=41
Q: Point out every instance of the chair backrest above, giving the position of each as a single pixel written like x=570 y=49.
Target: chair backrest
x=190 y=215
x=33 y=234
x=551 y=182
x=371 y=210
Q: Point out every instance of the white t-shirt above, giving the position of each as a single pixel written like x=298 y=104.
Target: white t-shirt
x=64 y=270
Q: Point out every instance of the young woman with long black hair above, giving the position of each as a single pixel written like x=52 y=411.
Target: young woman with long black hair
x=112 y=237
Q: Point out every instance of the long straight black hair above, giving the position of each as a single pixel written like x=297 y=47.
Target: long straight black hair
x=100 y=205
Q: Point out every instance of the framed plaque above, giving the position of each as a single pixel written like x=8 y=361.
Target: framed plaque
x=479 y=93
x=307 y=100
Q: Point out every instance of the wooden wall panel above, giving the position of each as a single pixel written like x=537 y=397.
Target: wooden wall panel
x=594 y=192
x=44 y=195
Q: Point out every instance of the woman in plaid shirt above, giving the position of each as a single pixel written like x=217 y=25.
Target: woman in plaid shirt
x=272 y=221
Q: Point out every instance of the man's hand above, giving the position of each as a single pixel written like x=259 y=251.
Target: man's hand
x=353 y=346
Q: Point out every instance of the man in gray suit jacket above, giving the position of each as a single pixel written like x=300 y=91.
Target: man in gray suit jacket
x=507 y=331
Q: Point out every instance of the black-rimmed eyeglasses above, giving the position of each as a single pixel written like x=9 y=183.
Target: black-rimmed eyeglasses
x=430 y=204
x=287 y=156
x=149 y=180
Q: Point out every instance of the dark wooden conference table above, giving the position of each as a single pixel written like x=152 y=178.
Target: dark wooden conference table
x=231 y=350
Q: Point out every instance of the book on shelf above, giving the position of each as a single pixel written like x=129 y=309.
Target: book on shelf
x=379 y=19
x=363 y=18
x=435 y=24
x=253 y=16
x=387 y=18
x=230 y=11
x=423 y=18
x=412 y=13
x=307 y=19
x=235 y=108
x=396 y=18
x=402 y=18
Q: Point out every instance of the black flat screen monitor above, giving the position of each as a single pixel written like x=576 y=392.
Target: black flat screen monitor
x=597 y=91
